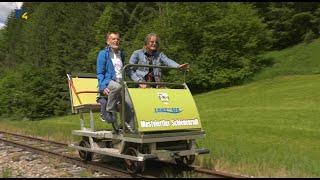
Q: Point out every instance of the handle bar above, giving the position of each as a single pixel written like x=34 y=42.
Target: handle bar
x=152 y=66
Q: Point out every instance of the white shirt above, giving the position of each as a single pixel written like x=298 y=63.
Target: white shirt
x=117 y=63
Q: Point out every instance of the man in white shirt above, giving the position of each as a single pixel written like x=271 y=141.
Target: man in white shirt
x=110 y=61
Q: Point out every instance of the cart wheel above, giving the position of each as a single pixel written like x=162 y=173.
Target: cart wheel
x=131 y=165
x=185 y=160
x=85 y=155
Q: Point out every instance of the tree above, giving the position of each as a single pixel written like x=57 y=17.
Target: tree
x=219 y=40
x=44 y=50
x=290 y=21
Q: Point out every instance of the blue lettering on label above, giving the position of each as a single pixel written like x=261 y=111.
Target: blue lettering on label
x=168 y=110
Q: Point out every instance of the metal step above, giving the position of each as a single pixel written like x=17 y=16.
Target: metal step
x=115 y=153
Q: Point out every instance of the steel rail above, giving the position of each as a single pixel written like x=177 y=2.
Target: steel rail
x=32 y=137
x=105 y=168
x=93 y=166
x=214 y=172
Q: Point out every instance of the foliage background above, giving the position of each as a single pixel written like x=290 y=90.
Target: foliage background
x=220 y=40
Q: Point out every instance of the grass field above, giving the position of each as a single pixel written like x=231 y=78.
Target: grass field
x=267 y=128
x=56 y=128
x=301 y=59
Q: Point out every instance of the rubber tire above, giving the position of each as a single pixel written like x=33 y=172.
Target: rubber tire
x=133 y=166
x=185 y=160
x=85 y=155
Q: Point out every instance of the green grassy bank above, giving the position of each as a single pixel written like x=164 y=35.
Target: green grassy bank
x=266 y=128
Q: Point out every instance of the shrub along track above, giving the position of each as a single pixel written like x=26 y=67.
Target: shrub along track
x=63 y=152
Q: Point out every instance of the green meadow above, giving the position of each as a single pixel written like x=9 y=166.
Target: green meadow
x=301 y=59
x=55 y=128
x=266 y=128
x=269 y=128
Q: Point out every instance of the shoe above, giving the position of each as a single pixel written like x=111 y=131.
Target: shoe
x=119 y=131
x=129 y=127
x=102 y=118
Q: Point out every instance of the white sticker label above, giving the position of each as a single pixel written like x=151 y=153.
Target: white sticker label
x=167 y=123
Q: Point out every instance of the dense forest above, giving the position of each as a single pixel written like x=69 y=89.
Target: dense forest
x=221 y=41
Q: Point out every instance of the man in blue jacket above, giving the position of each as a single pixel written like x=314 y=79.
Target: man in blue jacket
x=110 y=61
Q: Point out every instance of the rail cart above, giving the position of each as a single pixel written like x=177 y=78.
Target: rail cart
x=166 y=122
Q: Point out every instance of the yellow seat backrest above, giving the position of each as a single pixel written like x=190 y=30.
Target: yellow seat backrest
x=83 y=91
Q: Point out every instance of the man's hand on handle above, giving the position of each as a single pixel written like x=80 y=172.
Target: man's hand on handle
x=142 y=85
x=181 y=66
x=106 y=91
x=184 y=66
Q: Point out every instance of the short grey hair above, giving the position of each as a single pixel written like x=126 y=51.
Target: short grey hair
x=109 y=33
x=112 y=32
x=147 y=38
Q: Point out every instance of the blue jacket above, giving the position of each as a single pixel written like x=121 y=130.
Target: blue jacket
x=139 y=57
x=105 y=68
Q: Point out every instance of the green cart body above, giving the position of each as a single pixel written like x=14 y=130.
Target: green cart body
x=167 y=123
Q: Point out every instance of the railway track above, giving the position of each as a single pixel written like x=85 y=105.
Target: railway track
x=112 y=167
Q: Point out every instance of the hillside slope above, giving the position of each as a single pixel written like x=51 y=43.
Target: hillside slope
x=266 y=128
x=298 y=60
